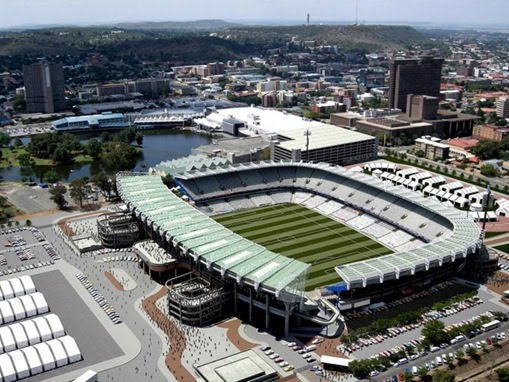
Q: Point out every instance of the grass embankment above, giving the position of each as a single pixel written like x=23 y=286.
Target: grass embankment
x=302 y=234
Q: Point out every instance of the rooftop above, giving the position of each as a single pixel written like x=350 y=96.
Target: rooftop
x=274 y=122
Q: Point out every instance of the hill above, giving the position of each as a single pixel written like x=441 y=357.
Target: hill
x=345 y=36
x=207 y=25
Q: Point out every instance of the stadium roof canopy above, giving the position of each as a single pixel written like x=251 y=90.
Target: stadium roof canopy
x=206 y=240
x=203 y=238
x=465 y=236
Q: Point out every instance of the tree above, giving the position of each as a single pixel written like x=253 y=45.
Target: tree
x=5 y=139
x=443 y=376
x=57 y=195
x=94 y=148
x=105 y=136
x=118 y=156
x=78 y=190
x=434 y=331
x=28 y=223
x=489 y=170
x=422 y=372
x=312 y=115
x=139 y=138
x=18 y=142
x=503 y=374
x=472 y=352
x=25 y=160
x=62 y=155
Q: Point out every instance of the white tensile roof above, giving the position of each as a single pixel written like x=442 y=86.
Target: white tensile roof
x=7 y=368
x=40 y=302
x=9 y=343
x=33 y=360
x=55 y=324
x=59 y=352
x=7 y=291
x=48 y=361
x=6 y=312
x=19 y=335
x=28 y=284
x=71 y=348
x=17 y=287
x=20 y=364
x=31 y=332
x=43 y=328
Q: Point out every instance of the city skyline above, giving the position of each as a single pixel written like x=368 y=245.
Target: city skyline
x=455 y=12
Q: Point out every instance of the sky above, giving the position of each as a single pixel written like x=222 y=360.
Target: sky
x=89 y=12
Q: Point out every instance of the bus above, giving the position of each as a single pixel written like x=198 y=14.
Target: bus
x=490 y=325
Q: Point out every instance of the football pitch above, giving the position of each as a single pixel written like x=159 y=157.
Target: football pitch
x=295 y=231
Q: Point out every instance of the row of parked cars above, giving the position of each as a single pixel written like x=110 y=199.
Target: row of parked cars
x=99 y=298
x=267 y=350
x=410 y=348
x=24 y=254
x=106 y=251
x=395 y=331
x=38 y=234
x=394 y=304
x=24 y=268
x=15 y=241
x=108 y=259
x=51 y=252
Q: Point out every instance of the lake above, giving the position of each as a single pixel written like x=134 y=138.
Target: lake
x=158 y=145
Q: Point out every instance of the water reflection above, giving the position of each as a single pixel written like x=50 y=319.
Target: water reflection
x=158 y=145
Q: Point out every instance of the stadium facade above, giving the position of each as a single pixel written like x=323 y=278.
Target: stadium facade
x=275 y=283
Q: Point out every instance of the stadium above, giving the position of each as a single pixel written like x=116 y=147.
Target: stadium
x=283 y=240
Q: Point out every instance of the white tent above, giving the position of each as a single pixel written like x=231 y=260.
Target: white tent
x=20 y=364
x=6 y=312
x=17 y=309
x=71 y=348
x=6 y=289
x=28 y=304
x=8 y=341
x=48 y=362
x=31 y=332
x=56 y=325
x=28 y=284
x=19 y=335
x=7 y=368
x=44 y=329
x=17 y=287
x=40 y=302
x=33 y=360
x=58 y=351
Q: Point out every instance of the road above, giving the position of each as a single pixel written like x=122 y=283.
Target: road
x=431 y=356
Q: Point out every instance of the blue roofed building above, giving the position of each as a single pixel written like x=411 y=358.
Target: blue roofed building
x=103 y=121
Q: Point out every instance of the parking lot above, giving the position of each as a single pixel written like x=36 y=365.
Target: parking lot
x=430 y=357
x=407 y=336
x=22 y=249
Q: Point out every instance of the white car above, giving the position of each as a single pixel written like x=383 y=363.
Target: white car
x=291 y=344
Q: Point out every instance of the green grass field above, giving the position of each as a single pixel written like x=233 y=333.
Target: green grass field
x=302 y=234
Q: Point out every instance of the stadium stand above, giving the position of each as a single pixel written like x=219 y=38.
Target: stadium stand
x=449 y=235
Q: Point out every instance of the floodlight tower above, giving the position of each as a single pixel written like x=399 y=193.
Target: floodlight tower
x=307 y=134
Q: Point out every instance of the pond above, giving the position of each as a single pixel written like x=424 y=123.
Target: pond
x=158 y=145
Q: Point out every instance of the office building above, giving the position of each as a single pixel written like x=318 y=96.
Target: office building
x=490 y=133
x=44 y=87
x=419 y=107
x=420 y=76
x=154 y=86
x=432 y=148
x=502 y=106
